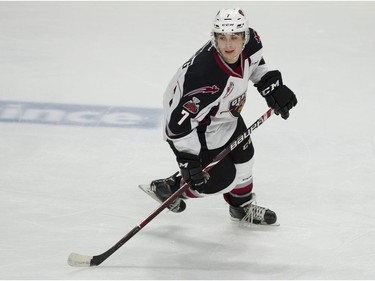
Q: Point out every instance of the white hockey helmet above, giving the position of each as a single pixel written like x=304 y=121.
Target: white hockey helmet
x=230 y=21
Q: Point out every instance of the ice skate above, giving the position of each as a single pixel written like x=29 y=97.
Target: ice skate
x=251 y=213
x=162 y=189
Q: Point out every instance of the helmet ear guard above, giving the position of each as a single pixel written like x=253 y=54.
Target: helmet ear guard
x=230 y=21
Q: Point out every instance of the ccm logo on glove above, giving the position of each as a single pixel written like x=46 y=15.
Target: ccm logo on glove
x=278 y=96
x=270 y=88
x=184 y=165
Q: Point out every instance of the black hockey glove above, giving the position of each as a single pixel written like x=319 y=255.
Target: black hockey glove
x=278 y=96
x=191 y=170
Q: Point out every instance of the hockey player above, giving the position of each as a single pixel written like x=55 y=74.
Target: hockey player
x=202 y=114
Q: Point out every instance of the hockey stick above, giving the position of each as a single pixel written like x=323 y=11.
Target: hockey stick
x=78 y=260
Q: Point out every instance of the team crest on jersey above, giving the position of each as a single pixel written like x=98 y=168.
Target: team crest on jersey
x=237 y=104
x=204 y=90
x=192 y=105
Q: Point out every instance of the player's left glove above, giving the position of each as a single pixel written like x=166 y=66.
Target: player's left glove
x=278 y=96
x=191 y=170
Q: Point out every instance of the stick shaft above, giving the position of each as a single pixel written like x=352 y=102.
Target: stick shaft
x=96 y=260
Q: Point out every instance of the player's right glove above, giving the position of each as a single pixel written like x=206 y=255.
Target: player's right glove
x=191 y=170
x=278 y=96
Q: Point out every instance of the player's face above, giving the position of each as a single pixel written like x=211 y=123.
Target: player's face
x=230 y=46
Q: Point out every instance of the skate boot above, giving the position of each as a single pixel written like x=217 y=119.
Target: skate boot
x=251 y=213
x=164 y=188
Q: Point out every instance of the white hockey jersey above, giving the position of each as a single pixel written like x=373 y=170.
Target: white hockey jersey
x=205 y=97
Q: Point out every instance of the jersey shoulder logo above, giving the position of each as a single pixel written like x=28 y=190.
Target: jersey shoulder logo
x=229 y=89
x=256 y=37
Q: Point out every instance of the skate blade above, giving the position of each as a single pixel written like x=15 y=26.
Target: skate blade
x=248 y=224
x=146 y=189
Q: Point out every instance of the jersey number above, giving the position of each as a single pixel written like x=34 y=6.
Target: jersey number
x=185 y=115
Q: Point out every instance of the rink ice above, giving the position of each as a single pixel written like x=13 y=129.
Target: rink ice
x=70 y=189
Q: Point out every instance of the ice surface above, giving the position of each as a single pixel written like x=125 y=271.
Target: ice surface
x=70 y=189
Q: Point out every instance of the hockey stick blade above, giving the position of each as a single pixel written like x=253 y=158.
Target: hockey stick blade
x=77 y=260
